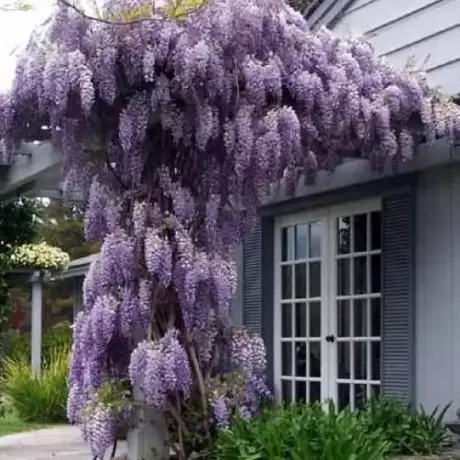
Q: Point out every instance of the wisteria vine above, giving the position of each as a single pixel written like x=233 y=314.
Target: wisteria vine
x=175 y=131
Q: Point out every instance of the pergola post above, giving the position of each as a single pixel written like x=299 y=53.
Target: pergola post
x=36 y=322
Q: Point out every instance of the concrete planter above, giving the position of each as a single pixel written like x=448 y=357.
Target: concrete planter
x=148 y=440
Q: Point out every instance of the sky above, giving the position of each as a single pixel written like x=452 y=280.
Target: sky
x=17 y=26
x=15 y=30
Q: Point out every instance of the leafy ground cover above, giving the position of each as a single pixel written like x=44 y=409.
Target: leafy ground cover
x=383 y=429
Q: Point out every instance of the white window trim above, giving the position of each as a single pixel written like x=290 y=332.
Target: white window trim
x=328 y=280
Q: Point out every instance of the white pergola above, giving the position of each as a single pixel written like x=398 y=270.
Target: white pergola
x=36 y=171
x=76 y=271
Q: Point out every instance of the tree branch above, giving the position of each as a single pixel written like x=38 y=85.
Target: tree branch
x=201 y=385
x=128 y=22
x=114 y=450
x=105 y=21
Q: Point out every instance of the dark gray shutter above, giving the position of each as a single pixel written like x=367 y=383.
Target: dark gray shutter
x=398 y=358
x=257 y=283
x=252 y=280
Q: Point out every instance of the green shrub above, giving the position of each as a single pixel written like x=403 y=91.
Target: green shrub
x=407 y=430
x=19 y=344
x=37 y=399
x=301 y=432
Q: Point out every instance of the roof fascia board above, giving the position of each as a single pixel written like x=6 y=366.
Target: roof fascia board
x=359 y=171
x=78 y=267
x=32 y=162
x=325 y=12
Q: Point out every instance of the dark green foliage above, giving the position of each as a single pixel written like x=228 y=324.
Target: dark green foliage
x=384 y=428
x=19 y=345
x=61 y=225
x=408 y=431
x=18 y=225
x=302 y=432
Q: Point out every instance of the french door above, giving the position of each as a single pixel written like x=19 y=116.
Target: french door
x=327 y=291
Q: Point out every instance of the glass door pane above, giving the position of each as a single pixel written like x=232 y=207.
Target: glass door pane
x=300 y=304
x=356 y=295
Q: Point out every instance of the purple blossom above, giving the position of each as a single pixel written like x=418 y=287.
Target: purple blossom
x=118 y=257
x=248 y=352
x=101 y=430
x=161 y=368
x=221 y=411
x=158 y=256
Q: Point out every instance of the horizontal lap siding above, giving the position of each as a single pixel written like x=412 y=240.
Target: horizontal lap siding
x=423 y=30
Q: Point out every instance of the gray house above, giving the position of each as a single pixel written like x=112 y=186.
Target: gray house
x=355 y=282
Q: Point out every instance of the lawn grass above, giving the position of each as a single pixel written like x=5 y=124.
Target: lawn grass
x=10 y=424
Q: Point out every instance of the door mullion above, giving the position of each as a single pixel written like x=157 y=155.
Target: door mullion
x=325 y=312
x=332 y=347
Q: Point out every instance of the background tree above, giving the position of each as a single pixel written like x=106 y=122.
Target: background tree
x=18 y=225
x=61 y=225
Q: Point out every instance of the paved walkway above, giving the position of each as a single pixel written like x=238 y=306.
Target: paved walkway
x=62 y=443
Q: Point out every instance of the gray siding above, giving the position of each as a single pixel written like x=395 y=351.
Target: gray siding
x=438 y=288
x=426 y=30
x=398 y=357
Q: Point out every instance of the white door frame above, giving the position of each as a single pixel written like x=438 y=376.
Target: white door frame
x=321 y=216
x=328 y=289
x=362 y=207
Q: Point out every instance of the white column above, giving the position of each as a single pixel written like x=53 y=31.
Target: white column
x=36 y=332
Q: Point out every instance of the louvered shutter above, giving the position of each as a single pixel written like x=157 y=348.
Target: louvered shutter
x=398 y=295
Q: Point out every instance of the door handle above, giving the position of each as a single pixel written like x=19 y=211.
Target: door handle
x=330 y=338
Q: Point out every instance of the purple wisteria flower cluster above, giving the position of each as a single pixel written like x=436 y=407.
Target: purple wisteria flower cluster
x=241 y=390
x=174 y=131
x=161 y=368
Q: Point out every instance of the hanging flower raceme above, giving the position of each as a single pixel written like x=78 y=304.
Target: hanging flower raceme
x=161 y=368
x=40 y=256
x=175 y=131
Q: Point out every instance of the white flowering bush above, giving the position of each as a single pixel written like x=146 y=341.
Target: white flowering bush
x=40 y=256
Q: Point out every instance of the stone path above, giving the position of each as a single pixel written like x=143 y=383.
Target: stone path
x=61 y=443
